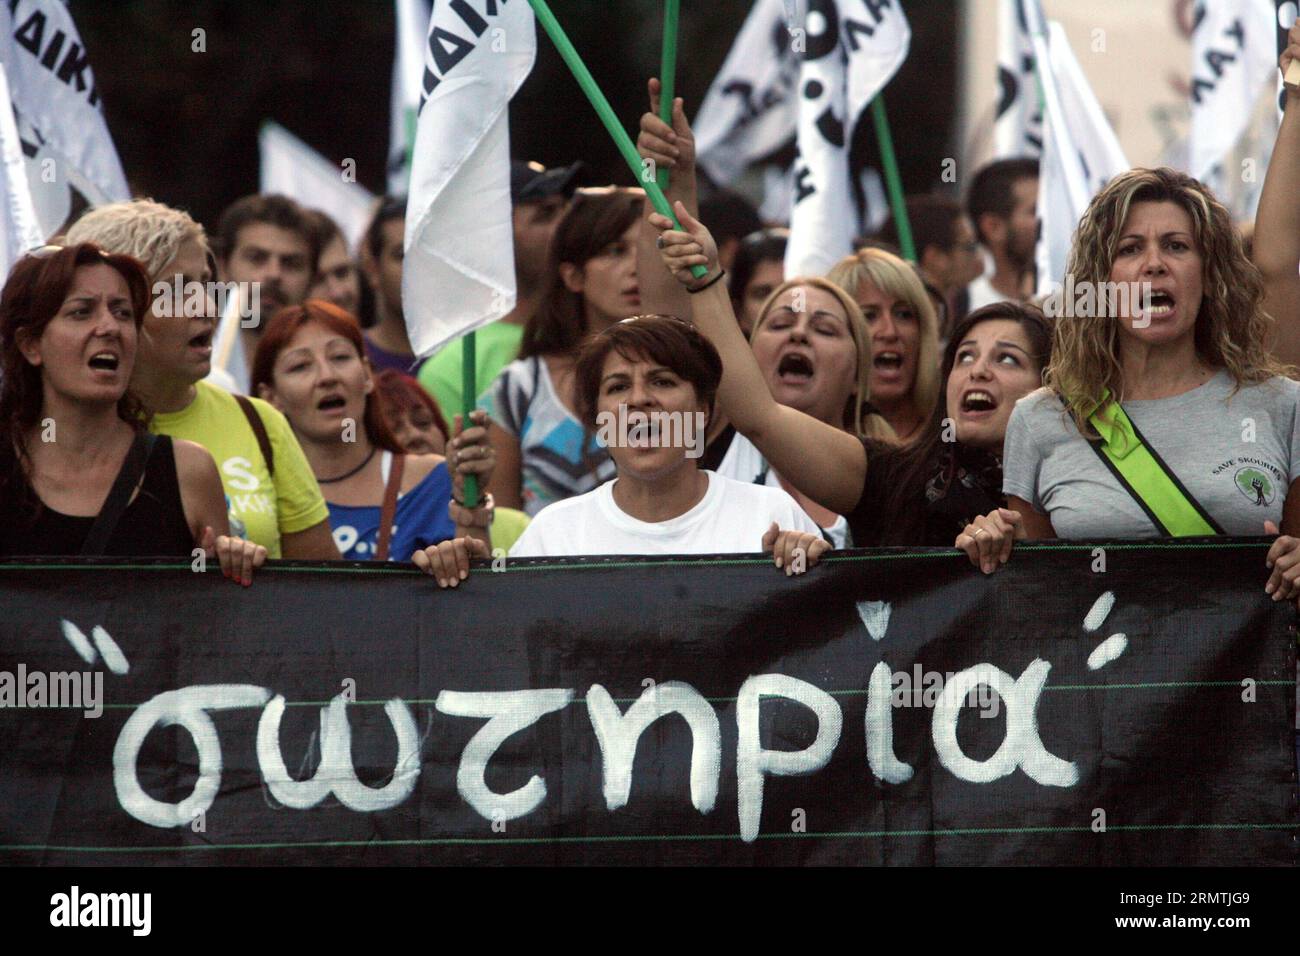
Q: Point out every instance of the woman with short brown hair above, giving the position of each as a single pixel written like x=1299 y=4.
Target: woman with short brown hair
x=645 y=386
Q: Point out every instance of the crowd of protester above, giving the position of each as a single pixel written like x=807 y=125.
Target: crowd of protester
x=926 y=403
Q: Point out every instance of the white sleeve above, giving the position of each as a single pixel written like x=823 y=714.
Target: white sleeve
x=532 y=543
x=800 y=521
x=789 y=516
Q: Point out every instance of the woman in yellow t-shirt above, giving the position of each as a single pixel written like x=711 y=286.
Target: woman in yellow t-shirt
x=271 y=494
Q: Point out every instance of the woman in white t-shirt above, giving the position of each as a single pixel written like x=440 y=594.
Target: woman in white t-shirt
x=646 y=387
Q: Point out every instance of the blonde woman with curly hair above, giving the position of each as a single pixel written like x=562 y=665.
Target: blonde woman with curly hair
x=1179 y=382
x=904 y=347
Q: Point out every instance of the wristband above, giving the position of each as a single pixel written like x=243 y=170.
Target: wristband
x=480 y=517
x=700 y=288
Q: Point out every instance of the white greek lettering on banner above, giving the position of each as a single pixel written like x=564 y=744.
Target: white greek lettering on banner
x=618 y=735
x=335 y=773
x=508 y=713
x=187 y=708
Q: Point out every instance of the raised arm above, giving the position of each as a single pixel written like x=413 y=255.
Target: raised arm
x=671 y=148
x=1277 y=224
x=825 y=463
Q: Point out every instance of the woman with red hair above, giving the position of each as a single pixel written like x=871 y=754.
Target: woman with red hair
x=79 y=474
x=384 y=503
x=412 y=415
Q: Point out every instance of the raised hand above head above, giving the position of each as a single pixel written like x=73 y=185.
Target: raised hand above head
x=672 y=147
x=680 y=249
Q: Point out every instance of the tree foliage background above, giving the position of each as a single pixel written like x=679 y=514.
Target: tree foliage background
x=186 y=122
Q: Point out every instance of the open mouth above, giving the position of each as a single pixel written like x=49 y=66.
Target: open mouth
x=203 y=340
x=795 y=367
x=888 y=360
x=642 y=431
x=978 y=401
x=1160 y=303
x=104 y=362
x=331 y=403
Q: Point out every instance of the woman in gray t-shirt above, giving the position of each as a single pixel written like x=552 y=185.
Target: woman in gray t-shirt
x=1163 y=314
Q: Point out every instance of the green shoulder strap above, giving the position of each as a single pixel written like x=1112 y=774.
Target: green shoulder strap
x=1145 y=476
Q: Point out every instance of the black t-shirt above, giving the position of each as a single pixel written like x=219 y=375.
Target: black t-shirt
x=153 y=524
x=958 y=485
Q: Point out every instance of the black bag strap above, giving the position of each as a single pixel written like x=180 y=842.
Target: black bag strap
x=119 y=496
x=716 y=450
x=259 y=431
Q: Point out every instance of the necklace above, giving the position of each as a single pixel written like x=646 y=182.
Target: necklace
x=330 y=481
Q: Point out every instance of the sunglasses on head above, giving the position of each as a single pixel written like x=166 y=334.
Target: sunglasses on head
x=50 y=249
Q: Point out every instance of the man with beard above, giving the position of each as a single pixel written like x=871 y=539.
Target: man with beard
x=538 y=196
x=269 y=241
x=1002 y=204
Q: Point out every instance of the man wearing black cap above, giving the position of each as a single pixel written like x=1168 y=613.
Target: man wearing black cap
x=539 y=197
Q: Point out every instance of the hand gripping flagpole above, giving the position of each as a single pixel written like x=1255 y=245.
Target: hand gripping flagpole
x=468 y=395
x=606 y=113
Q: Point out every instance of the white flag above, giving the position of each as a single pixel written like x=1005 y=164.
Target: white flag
x=57 y=104
x=292 y=168
x=852 y=50
x=751 y=107
x=231 y=368
x=459 y=272
x=408 y=67
x=1080 y=152
x=1234 y=54
x=1018 y=126
x=19 y=230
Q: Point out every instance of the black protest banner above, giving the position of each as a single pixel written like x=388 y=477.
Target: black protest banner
x=1086 y=704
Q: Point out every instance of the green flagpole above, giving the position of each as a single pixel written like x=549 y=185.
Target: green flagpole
x=668 y=73
x=893 y=182
x=469 y=393
x=411 y=120
x=604 y=111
